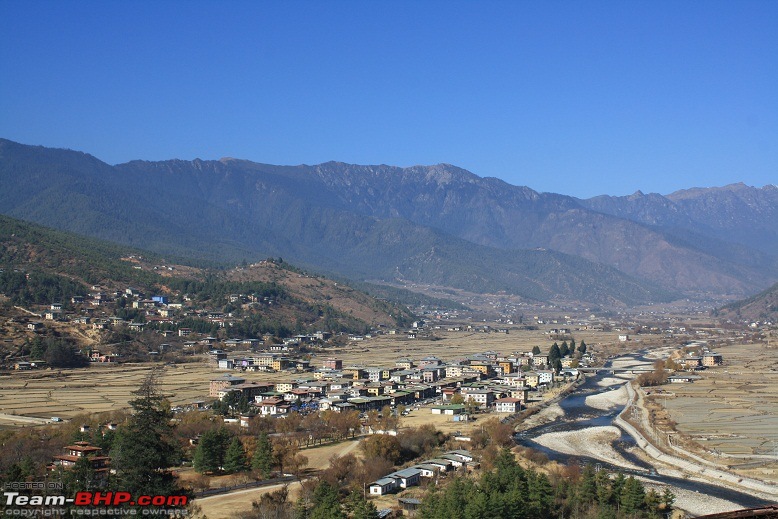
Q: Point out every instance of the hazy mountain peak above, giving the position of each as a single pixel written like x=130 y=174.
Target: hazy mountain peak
x=737 y=187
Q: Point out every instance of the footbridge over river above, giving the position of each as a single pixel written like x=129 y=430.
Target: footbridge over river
x=617 y=370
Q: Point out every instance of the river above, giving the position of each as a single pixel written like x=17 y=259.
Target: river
x=578 y=416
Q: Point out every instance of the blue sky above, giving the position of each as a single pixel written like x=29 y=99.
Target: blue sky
x=580 y=98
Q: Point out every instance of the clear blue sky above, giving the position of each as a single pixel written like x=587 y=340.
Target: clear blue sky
x=575 y=97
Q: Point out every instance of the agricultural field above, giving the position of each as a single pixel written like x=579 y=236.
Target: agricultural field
x=98 y=388
x=732 y=411
x=446 y=345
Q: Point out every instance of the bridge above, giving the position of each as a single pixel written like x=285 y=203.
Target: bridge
x=617 y=370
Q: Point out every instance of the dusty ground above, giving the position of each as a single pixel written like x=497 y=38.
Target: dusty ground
x=443 y=423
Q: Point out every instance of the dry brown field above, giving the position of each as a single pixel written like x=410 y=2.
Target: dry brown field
x=733 y=409
x=100 y=388
x=385 y=349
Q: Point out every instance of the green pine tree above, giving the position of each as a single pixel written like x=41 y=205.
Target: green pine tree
x=587 y=488
x=325 y=502
x=554 y=354
x=143 y=449
x=604 y=493
x=540 y=494
x=262 y=461
x=361 y=508
x=478 y=507
x=235 y=457
x=617 y=485
x=211 y=449
x=82 y=477
x=668 y=498
x=633 y=496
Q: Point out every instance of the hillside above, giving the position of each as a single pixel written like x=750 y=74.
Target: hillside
x=437 y=225
x=39 y=266
x=315 y=290
x=762 y=307
x=59 y=259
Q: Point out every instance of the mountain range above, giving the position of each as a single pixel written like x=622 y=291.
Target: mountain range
x=437 y=225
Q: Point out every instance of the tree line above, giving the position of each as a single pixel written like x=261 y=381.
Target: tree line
x=512 y=492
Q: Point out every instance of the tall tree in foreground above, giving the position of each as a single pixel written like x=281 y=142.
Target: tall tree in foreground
x=262 y=461
x=326 y=504
x=209 y=456
x=235 y=457
x=144 y=448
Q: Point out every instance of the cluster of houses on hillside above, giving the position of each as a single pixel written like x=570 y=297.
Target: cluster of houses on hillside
x=485 y=381
x=95 y=311
x=102 y=310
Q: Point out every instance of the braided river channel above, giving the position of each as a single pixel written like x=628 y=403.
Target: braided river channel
x=578 y=416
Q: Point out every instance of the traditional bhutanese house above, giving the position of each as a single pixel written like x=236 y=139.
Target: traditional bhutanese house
x=507 y=405
x=100 y=464
x=270 y=406
x=223 y=382
x=522 y=393
x=690 y=362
